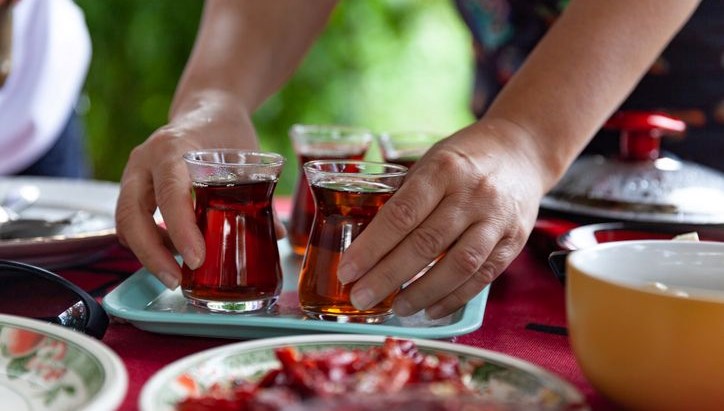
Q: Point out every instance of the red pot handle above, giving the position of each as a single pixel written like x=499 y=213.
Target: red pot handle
x=641 y=133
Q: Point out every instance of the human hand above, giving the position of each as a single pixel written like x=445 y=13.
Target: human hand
x=156 y=176
x=474 y=197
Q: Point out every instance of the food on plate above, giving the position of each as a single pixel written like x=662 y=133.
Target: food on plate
x=392 y=376
x=692 y=236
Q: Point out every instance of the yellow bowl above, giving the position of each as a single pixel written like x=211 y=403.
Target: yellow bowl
x=646 y=322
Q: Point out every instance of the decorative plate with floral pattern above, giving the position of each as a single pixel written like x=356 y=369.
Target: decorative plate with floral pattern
x=48 y=367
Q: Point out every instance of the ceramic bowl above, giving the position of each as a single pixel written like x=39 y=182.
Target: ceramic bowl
x=646 y=322
x=49 y=367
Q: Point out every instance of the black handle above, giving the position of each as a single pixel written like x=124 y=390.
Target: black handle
x=557 y=261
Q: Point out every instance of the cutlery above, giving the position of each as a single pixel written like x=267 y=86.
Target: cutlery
x=37 y=227
x=17 y=200
x=13 y=225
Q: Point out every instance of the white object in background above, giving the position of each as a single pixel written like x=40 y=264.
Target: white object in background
x=51 y=53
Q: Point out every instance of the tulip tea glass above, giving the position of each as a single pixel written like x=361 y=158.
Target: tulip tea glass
x=318 y=142
x=347 y=195
x=405 y=148
x=233 y=195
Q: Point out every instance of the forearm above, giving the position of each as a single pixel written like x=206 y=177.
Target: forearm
x=581 y=71
x=245 y=50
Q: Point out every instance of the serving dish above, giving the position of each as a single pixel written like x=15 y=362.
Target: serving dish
x=48 y=367
x=644 y=320
x=89 y=234
x=499 y=376
x=147 y=304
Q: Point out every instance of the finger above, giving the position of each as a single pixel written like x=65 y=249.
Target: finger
x=172 y=186
x=396 y=219
x=504 y=252
x=460 y=263
x=137 y=229
x=417 y=250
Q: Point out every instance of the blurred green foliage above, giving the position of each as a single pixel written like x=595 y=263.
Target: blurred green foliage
x=386 y=65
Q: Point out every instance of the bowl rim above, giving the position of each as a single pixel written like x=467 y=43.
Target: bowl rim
x=584 y=236
x=716 y=246
x=113 y=390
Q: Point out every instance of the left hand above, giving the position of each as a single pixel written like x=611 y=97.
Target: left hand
x=474 y=196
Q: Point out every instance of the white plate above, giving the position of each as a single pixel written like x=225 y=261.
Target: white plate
x=78 y=242
x=502 y=378
x=48 y=367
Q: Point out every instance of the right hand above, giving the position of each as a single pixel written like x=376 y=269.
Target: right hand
x=156 y=176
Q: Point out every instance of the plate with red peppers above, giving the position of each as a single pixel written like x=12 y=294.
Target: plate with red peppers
x=354 y=373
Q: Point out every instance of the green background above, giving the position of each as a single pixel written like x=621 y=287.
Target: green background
x=388 y=65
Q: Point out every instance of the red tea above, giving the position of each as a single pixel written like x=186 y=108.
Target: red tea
x=242 y=259
x=343 y=211
x=300 y=222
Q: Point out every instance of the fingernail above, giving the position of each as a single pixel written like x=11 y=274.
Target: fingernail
x=191 y=258
x=168 y=279
x=433 y=313
x=347 y=272
x=402 y=307
x=362 y=298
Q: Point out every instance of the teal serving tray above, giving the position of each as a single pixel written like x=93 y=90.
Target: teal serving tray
x=146 y=303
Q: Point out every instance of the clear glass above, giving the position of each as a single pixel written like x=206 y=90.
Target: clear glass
x=347 y=195
x=405 y=148
x=317 y=142
x=233 y=204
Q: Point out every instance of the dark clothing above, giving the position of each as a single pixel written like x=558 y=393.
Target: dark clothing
x=67 y=157
x=687 y=80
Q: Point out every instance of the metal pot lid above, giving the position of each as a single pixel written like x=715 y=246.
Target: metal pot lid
x=640 y=186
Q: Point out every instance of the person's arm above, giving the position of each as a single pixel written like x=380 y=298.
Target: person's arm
x=244 y=51
x=475 y=195
x=249 y=48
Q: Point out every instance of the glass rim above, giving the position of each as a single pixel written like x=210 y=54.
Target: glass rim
x=300 y=128
x=411 y=137
x=277 y=159
x=410 y=133
x=401 y=170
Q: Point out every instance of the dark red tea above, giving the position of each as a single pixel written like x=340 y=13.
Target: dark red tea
x=344 y=210
x=300 y=222
x=242 y=259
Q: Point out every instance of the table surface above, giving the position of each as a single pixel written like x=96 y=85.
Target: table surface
x=524 y=317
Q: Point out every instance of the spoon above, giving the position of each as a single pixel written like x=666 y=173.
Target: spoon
x=17 y=200
x=12 y=225
x=36 y=227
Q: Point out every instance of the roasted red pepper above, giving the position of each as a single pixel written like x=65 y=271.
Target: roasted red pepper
x=392 y=367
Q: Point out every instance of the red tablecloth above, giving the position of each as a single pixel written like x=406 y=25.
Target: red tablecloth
x=523 y=317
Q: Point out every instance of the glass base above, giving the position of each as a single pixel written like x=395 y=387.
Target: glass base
x=234 y=306
x=348 y=317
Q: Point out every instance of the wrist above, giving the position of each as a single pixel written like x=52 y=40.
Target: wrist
x=548 y=160
x=207 y=101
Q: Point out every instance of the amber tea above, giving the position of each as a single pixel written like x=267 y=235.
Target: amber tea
x=346 y=200
x=300 y=222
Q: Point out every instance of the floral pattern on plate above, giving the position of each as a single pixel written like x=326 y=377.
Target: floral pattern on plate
x=46 y=367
